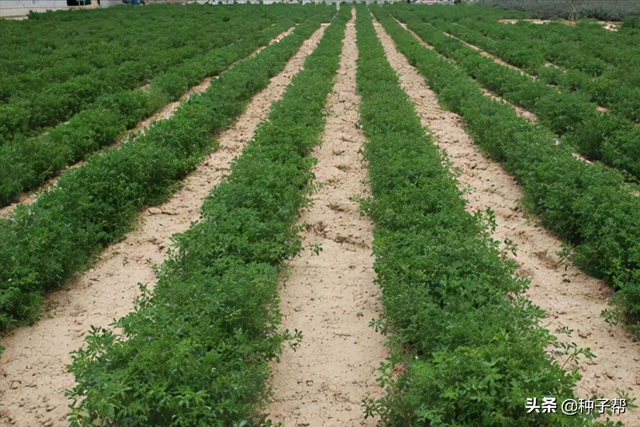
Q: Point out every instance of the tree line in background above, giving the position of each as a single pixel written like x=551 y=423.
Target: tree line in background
x=573 y=9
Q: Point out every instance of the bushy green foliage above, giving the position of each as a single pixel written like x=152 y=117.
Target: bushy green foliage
x=195 y=352
x=590 y=206
x=468 y=347
x=569 y=112
x=92 y=206
x=81 y=65
x=607 y=10
x=29 y=162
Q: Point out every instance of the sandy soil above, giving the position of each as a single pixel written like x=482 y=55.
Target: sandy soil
x=499 y=61
x=415 y=36
x=33 y=374
x=569 y=297
x=165 y=113
x=489 y=55
x=610 y=25
x=519 y=110
x=538 y=21
x=607 y=25
x=331 y=296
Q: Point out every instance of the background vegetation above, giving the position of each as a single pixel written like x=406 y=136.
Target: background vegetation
x=572 y=9
x=195 y=352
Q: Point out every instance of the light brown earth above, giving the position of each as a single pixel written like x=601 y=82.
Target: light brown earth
x=33 y=374
x=489 y=55
x=499 y=61
x=607 y=25
x=570 y=298
x=331 y=296
x=415 y=36
x=532 y=118
x=538 y=21
x=519 y=110
x=165 y=113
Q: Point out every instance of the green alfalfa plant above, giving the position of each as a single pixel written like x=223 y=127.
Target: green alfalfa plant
x=566 y=255
x=315 y=247
x=293 y=339
x=391 y=380
x=486 y=219
x=569 y=352
x=613 y=315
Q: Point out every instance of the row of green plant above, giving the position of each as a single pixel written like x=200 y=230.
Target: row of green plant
x=26 y=164
x=594 y=49
x=585 y=58
x=468 y=350
x=84 y=64
x=42 y=245
x=588 y=206
x=571 y=9
x=91 y=39
x=196 y=350
x=598 y=136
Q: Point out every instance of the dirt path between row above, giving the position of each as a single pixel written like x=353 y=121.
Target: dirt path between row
x=165 y=113
x=33 y=374
x=532 y=118
x=607 y=25
x=415 y=36
x=331 y=296
x=570 y=298
x=489 y=55
x=502 y=63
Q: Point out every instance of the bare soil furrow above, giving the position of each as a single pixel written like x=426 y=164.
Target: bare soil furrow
x=33 y=374
x=165 y=113
x=519 y=110
x=415 y=36
x=502 y=63
x=490 y=56
x=570 y=298
x=607 y=25
x=329 y=293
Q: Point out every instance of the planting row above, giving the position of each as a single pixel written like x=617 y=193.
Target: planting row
x=195 y=351
x=28 y=163
x=598 y=136
x=468 y=348
x=610 y=10
x=584 y=46
x=43 y=244
x=587 y=58
x=85 y=60
x=589 y=206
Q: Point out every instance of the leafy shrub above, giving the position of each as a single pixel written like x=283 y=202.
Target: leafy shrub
x=196 y=351
x=95 y=205
x=590 y=206
x=468 y=350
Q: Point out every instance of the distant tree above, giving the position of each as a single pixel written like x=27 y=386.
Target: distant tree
x=573 y=9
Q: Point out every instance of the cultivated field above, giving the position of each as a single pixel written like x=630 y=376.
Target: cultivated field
x=253 y=215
